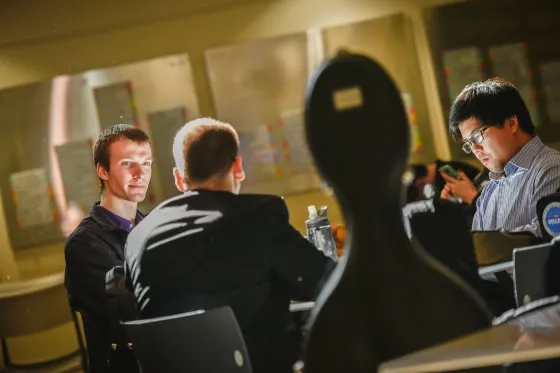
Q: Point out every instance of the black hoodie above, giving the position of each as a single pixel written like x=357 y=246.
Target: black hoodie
x=205 y=249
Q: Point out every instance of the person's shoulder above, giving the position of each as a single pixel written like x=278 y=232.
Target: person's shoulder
x=248 y=204
x=168 y=211
x=548 y=159
x=88 y=231
x=170 y=204
x=546 y=167
x=179 y=200
x=85 y=237
x=267 y=205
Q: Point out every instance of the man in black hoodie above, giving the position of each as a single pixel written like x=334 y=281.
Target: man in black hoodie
x=122 y=157
x=211 y=247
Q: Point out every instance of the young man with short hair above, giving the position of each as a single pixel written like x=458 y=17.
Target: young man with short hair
x=492 y=121
x=212 y=247
x=123 y=159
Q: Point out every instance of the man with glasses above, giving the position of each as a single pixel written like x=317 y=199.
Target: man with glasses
x=492 y=121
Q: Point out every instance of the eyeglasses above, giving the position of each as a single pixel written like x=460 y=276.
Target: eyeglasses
x=476 y=138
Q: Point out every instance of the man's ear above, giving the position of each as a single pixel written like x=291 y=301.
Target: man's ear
x=179 y=181
x=238 y=172
x=102 y=172
x=512 y=123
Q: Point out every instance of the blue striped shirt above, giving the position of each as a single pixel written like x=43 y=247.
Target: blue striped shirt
x=509 y=202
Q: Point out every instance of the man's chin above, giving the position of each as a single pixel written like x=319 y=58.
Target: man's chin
x=495 y=169
x=137 y=197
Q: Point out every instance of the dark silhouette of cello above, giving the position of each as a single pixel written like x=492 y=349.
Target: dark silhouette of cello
x=387 y=297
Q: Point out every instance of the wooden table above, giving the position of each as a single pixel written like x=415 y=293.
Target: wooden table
x=499 y=345
x=19 y=288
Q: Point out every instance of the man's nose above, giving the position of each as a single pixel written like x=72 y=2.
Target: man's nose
x=476 y=148
x=138 y=172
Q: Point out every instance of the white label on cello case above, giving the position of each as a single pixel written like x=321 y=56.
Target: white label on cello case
x=348 y=98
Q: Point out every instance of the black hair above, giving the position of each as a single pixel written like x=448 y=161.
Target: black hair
x=491 y=102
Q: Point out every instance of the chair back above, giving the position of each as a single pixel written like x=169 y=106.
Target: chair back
x=82 y=342
x=442 y=229
x=193 y=342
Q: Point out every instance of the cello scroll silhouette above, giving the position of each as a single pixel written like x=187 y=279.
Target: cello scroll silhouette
x=387 y=297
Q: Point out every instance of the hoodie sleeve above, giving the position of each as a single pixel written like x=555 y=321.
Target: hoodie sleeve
x=88 y=259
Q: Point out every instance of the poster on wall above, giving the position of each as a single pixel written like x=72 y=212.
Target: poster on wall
x=115 y=104
x=270 y=78
x=81 y=185
x=259 y=100
x=260 y=152
x=33 y=198
x=276 y=158
x=550 y=76
x=163 y=126
x=461 y=67
x=299 y=158
x=416 y=143
x=511 y=62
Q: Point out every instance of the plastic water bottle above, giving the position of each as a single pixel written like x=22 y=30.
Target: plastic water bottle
x=319 y=231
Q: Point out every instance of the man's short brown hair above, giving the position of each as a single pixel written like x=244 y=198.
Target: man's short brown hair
x=205 y=148
x=101 y=153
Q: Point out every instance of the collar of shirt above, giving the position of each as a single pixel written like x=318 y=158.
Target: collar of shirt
x=122 y=222
x=522 y=160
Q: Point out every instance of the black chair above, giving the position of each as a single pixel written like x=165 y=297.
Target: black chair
x=442 y=228
x=548 y=212
x=79 y=326
x=194 y=342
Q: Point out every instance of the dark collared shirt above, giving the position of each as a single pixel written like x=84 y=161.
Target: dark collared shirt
x=122 y=222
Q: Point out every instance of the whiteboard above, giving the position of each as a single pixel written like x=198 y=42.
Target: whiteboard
x=33 y=198
x=164 y=125
x=511 y=62
x=462 y=66
x=550 y=74
x=253 y=83
x=75 y=159
x=259 y=88
x=115 y=104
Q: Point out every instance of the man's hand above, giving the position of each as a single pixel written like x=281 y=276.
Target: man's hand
x=462 y=188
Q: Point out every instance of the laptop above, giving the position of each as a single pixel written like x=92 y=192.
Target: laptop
x=530 y=269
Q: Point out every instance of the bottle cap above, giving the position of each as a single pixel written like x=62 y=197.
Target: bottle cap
x=312 y=210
